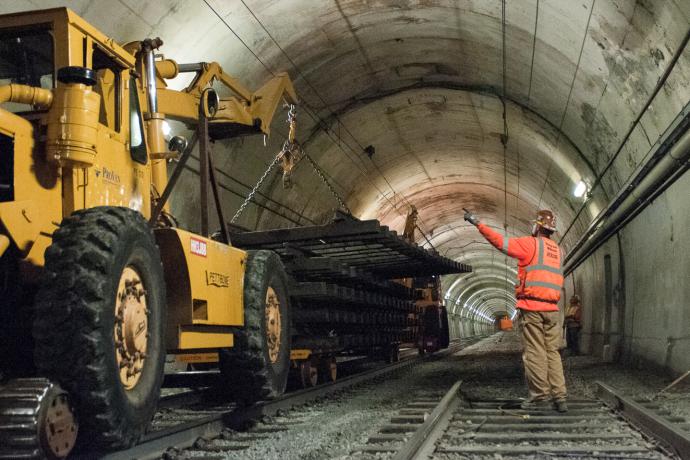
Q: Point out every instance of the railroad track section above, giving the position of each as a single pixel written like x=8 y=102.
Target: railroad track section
x=671 y=431
x=199 y=425
x=453 y=427
x=414 y=426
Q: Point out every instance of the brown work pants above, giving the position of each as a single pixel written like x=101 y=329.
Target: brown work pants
x=541 y=337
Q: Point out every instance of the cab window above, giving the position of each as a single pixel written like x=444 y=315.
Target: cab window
x=108 y=86
x=137 y=145
x=26 y=58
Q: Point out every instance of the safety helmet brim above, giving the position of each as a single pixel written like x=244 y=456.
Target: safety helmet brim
x=544 y=225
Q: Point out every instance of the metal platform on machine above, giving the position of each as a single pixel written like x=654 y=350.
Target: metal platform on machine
x=366 y=245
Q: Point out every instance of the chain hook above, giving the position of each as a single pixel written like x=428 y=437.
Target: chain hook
x=290 y=153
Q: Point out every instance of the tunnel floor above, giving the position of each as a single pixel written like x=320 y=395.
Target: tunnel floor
x=497 y=360
x=337 y=426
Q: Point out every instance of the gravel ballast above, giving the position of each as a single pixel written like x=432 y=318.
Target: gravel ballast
x=333 y=428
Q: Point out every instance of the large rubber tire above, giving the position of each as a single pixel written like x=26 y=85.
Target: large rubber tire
x=249 y=375
x=75 y=320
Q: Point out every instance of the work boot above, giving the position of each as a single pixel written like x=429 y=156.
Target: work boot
x=532 y=404
x=561 y=406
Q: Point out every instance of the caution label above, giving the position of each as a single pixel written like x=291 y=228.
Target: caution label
x=197 y=247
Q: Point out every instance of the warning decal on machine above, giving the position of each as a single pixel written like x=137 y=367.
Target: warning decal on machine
x=197 y=247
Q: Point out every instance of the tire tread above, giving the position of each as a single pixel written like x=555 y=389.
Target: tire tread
x=244 y=367
x=67 y=317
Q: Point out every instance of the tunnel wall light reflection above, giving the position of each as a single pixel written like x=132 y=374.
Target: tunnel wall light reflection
x=580 y=189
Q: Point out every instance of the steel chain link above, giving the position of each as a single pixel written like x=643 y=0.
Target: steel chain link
x=250 y=197
x=328 y=184
x=288 y=146
x=292 y=114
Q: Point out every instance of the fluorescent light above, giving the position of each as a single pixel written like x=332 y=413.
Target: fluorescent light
x=580 y=189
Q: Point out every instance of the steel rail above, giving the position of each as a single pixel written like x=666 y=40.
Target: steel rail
x=644 y=419
x=413 y=446
x=185 y=434
x=183 y=397
x=500 y=426
x=203 y=382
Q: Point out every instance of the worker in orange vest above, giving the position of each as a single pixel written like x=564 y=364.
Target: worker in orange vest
x=540 y=280
x=573 y=324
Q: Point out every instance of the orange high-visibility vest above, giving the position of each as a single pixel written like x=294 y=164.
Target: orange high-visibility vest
x=542 y=278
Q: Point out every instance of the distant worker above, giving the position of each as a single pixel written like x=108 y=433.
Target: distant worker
x=573 y=324
x=538 y=291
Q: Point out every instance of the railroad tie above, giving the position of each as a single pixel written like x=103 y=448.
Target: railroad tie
x=484 y=429
x=402 y=425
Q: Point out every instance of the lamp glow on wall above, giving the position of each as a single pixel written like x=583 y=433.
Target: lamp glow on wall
x=580 y=189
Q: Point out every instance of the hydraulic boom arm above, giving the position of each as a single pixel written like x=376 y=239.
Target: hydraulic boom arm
x=242 y=113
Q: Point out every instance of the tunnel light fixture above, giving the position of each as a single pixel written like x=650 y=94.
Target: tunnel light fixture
x=580 y=189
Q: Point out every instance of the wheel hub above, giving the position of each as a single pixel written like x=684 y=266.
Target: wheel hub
x=131 y=327
x=37 y=420
x=273 y=325
x=60 y=427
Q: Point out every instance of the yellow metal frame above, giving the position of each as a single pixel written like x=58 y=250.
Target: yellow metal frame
x=87 y=162
x=205 y=288
x=191 y=340
x=196 y=358
x=299 y=354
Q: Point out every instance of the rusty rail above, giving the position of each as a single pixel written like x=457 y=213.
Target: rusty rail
x=652 y=424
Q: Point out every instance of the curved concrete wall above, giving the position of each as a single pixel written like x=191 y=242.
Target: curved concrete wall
x=420 y=81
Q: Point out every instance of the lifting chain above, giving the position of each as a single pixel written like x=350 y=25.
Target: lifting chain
x=289 y=155
x=250 y=197
x=328 y=184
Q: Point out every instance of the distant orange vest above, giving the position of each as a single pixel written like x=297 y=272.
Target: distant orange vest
x=542 y=278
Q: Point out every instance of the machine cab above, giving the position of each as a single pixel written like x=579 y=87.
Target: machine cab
x=90 y=138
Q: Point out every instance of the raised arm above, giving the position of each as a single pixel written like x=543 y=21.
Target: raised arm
x=519 y=248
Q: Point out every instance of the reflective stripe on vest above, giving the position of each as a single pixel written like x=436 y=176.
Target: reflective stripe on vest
x=543 y=279
x=546 y=268
x=506 y=240
x=543 y=284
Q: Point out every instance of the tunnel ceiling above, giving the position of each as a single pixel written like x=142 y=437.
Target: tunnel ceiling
x=420 y=81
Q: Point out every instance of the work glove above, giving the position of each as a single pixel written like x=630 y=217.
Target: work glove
x=471 y=218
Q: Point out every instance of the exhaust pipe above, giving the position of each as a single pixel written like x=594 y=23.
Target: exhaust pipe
x=148 y=46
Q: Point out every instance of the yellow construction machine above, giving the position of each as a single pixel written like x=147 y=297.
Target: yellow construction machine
x=97 y=284
x=429 y=322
